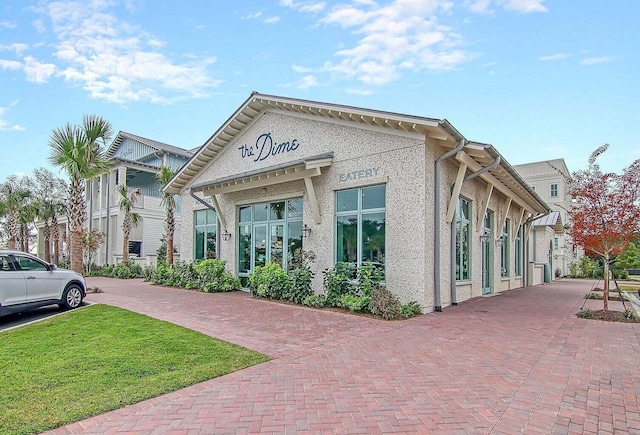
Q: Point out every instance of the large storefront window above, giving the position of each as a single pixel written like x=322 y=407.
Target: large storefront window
x=518 y=252
x=463 y=240
x=504 y=250
x=206 y=228
x=360 y=225
x=268 y=232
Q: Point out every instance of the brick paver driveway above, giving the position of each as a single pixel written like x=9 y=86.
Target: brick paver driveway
x=517 y=362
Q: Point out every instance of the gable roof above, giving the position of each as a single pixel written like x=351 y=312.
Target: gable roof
x=476 y=155
x=553 y=220
x=160 y=146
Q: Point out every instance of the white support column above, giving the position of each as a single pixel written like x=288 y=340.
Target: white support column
x=503 y=218
x=214 y=202
x=484 y=206
x=457 y=187
x=313 y=200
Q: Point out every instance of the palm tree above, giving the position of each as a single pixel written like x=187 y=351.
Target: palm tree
x=12 y=196
x=126 y=204
x=79 y=150
x=164 y=175
x=49 y=194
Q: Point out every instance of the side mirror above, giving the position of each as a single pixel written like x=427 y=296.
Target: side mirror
x=52 y=266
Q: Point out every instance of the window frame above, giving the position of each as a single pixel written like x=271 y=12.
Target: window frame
x=359 y=212
x=553 y=190
x=466 y=222
x=517 y=266
x=206 y=225
x=505 y=270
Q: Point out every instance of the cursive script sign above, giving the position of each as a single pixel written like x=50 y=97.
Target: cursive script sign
x=266 y=147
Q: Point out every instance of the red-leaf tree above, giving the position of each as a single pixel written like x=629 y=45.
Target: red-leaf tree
x=606 y=216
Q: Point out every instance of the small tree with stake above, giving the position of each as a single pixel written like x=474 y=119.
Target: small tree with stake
x=606 y=217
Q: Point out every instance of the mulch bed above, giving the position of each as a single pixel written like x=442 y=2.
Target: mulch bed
x=612 y=316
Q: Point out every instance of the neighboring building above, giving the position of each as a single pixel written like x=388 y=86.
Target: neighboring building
x=136 y=160
x=446 y=218
x=550 y=180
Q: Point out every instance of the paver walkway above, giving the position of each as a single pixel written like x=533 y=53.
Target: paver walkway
x=519 y=362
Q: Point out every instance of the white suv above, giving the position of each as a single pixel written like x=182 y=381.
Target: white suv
x=27 y=282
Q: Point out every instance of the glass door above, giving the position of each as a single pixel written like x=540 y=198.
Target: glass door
x=487 y=253
x=259 y=246
x=276 y=244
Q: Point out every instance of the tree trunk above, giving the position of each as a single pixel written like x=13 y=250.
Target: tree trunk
x=13 y=229
x=77 y=263
x=46 y=232
x=77 y=217
x=605 y=295
x=125 y=244
x=170 y=227
x=55 y=235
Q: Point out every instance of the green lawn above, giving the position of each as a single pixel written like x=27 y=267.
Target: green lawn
x=99 y=358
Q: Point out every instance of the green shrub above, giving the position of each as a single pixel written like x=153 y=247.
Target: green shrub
x=591 y=295
x=338 y=281
x=573 y=270
x=214 y=278
x=300 y=285
x=587 y=314
x=119 y=271
x=411 y=309
x=354 y=303
x=269 y=281
x=317 y=301
x=369 y=278
x=385 y=304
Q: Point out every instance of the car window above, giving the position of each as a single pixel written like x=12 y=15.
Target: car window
x=5 y=264
x=27 y=263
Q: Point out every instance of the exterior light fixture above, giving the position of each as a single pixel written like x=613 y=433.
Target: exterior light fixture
x=226 y=235
x=485 y=236
x=500 y=241
x=306 y=231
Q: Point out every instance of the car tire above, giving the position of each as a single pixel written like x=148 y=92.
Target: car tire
x=72 y=297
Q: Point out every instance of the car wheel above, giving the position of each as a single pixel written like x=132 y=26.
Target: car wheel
x=72 y=297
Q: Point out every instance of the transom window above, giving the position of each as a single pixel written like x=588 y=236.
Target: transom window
x=268 y=232
x=463 y=240
x=360 y=225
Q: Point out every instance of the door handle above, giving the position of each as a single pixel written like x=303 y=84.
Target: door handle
x=31 y=277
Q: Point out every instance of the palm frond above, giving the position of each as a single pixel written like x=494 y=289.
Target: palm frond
x=594 y=155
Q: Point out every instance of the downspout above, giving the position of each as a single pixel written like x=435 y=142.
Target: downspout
x=454 y=293
x=436 y=221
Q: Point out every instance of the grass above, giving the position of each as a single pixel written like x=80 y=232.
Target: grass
x=99 y=358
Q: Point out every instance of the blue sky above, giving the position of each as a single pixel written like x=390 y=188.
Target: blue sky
x=538 y=79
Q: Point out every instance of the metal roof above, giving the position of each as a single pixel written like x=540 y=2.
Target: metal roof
x=440 y=129
x=160 y=146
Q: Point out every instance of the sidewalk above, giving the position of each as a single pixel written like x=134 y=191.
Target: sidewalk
x=520 y=362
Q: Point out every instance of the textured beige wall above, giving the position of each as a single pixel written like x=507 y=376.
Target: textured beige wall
x=397 y=160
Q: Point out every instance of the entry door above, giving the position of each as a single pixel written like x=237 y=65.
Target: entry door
x=486 y=266
x=260 y=244
x=487 y=253
x=276 y=244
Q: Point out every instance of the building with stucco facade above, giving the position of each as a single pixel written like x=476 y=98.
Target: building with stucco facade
x=447 y=218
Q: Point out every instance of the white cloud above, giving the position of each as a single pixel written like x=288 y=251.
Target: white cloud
x=479 y=6
x=364 y=92
x=17 y=47
x=116 y=61
x=6 y=125
x=10 y=64
x=522 y=6
x=525 y=6
x=307 y=81
x=308 y=6
x=595 y=60
x=8 y=24
x=399 y=36
x=271 y=20
x=557 y=56
x=38 y=72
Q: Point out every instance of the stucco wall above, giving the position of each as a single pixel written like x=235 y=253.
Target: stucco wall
x=362 y=157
